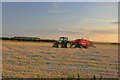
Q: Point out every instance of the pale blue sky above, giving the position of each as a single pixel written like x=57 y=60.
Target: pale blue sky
x=55 y=19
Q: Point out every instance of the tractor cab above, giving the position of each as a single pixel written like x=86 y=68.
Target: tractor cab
x=64 y=38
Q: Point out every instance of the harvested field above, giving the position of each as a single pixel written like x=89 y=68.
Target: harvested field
x=28 y=59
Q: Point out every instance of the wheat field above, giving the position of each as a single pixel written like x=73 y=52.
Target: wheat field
x=29 y=59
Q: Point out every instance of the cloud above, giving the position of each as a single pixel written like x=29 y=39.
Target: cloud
x=95 y=20
x=69 y=32
x=87 y=31
x=95 y=23
x=115 y=22
x=109 y=31
x=55 y=11
x=100 y=30
x=55 y=8
x=87 y=22
x=90 y=33
x=59 y=29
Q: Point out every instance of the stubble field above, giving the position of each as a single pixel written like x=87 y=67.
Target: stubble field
x=37 y=59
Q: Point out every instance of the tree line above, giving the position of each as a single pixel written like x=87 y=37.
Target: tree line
x=34 y=39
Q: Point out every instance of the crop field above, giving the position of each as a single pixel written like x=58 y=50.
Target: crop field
x=38 y=59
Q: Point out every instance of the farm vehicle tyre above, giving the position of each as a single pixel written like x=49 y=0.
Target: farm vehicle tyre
x=68 y=45
x=86 y=47
x=59 y=45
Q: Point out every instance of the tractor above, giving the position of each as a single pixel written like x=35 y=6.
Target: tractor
x=62 y=43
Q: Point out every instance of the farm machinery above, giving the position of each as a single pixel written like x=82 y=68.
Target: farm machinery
x=78 y=43
x=62 y=42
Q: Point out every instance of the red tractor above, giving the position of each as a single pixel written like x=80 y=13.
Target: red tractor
x=82 y=43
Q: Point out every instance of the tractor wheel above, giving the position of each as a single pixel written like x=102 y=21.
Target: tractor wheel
x=68 y=45
x=79 y=46
x=86 y=46
x=59 y=45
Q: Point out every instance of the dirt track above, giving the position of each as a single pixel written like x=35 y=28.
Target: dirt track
x=28 y=59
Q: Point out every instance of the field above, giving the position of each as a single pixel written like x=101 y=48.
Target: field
x=38 y=59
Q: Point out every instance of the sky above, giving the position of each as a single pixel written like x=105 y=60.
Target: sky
x=96 y=21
